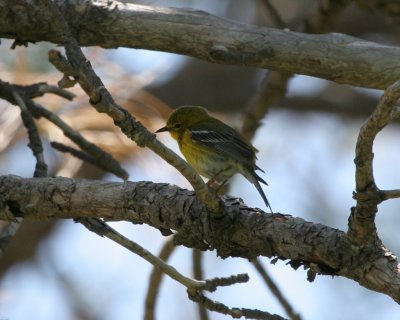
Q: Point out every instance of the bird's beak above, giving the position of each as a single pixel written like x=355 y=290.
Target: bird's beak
x=163 y=129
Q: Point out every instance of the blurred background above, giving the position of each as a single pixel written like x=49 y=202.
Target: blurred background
x=59 y=270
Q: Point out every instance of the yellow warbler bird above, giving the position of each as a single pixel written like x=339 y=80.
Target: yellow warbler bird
x=212 y=148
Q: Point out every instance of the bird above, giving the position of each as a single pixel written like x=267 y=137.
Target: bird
x=214 y=149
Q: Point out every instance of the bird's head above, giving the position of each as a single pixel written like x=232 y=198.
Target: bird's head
x=183 y=118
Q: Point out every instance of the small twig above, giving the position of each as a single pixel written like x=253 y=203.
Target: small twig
x=103 y=229
x=46 y=88
x=194 y=287
x=233 y=312
x=35 y=143
x=275 y=290
x=390 y=194
x=79 y=67
x=155 y=281
x=96 y=155
x=75 y=152
x=362 y=228
x=197 y=257
x=32 y=91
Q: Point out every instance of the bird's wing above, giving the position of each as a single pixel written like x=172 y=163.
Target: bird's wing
x=226 y=141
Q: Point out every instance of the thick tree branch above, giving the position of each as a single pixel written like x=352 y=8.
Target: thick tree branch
x=243 y=232
x=111 y=24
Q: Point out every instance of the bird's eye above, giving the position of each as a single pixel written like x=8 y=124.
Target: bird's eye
x=177 y=126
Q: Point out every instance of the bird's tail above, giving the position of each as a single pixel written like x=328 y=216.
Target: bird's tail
x=256 y=181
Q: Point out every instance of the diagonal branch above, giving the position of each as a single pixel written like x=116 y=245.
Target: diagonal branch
x=79 y=68
x=275 y=290
x=155 y=281
x=13 y=93
x=35 y=143
x=194 y=287
x=362 y=227
x=94 y=154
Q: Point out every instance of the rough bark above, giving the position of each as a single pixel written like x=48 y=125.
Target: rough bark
x=243 y=232
x=111 y=24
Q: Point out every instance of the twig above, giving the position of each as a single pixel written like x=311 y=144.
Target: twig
x=233 y=312
x=97 y=156
x=194 y=287
x=102 y=229
x=75 y=152
x=197 y=257
x=390 y=194
x=35 y=143
x=46 y=88
x=275 y=290
x=32 y=91
x=80 y=69
x=362 y=227
x=155 y=281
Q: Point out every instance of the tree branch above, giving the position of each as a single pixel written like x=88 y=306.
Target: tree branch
x=155 y=281
x=35 y=143
x=362 y=227
x=197 y=260
x=194 y=287
x=335 y=57
x=80 y=69
x=242 y=232
x=274 y=86
x=275 y=290
x=13 y=93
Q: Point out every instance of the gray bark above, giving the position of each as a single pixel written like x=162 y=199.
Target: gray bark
x=111 y=24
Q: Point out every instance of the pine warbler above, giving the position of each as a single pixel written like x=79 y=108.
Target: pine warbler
x=212 y=148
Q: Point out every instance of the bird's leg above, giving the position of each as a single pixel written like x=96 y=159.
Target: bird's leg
x=213 y=180
x=215 y=185
x=218 y=188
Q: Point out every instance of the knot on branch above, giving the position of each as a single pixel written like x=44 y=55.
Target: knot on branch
x=371 y=195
